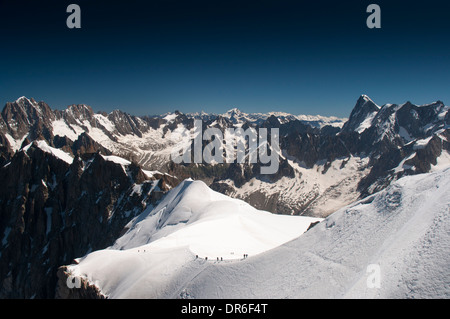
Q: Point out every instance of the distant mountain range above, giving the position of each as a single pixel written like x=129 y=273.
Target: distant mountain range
x=73 y=179
x=239 y=118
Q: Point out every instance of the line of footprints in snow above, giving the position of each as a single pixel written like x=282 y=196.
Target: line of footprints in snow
x=245 y=256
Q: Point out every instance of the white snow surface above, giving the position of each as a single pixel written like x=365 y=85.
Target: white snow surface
x=443 y=161
x=164 y=241
x=367 y=123
x=116 y=159
x=404 y=230
x=15 y=144
x=55 y=152
x=420 y=144
x=61 y=128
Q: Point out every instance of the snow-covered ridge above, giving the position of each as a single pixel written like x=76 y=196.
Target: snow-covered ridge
x=60 y=154
x=191 y=220
x=190 y=204
x=403 y=231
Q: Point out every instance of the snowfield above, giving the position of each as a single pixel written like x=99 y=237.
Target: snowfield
x=55 y=152
x=193 y=227
x=404 y=231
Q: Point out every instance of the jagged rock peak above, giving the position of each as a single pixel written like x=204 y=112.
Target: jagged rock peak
x=26 y=105
x=80 y=109
x=365 y=98
x=362 y=114
x=234 y=110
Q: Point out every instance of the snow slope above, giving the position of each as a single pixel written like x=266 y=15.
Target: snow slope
x=404 y=230
x=162 y=243
x=54 y=151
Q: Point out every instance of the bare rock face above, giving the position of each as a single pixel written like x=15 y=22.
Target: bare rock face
x=52 y=212
x=23 y=114
x=68 y=289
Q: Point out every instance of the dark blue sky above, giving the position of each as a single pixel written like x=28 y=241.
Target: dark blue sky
x=151 y=57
